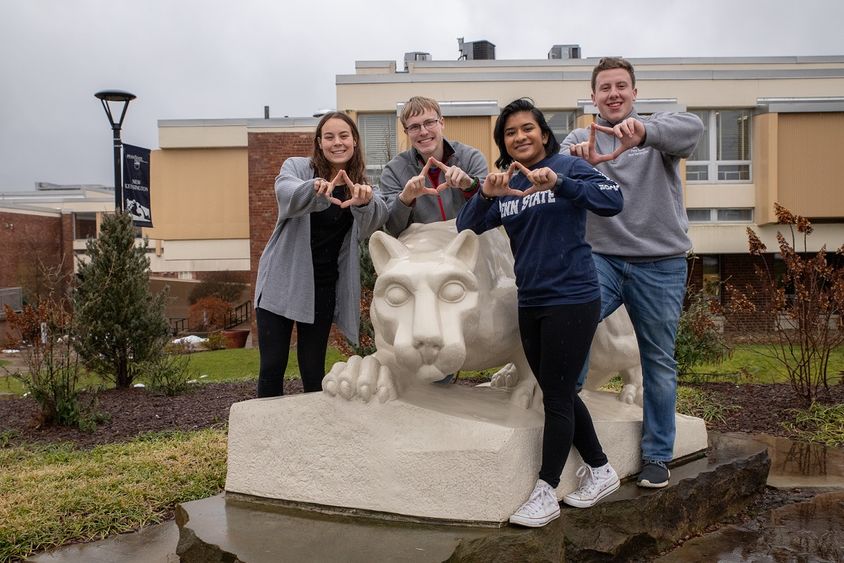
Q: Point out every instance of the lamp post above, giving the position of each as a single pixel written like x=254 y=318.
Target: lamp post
x=117 y=96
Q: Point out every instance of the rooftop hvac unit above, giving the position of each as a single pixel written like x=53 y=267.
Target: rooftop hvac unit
x=476 y=50
x=564 y=52
x=413 y=56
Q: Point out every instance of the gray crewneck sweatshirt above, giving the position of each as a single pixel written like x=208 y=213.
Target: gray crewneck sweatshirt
x=653 y=224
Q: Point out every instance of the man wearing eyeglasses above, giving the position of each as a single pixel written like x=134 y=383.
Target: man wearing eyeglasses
x=433 y=179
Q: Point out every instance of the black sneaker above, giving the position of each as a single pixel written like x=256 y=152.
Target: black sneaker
x=654 y=475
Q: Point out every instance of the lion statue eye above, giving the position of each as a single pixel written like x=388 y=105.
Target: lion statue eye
x=396 y=295
x=452 y=292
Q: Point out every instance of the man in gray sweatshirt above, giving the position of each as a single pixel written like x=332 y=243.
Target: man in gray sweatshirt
x=640 y=254
x=418 y=190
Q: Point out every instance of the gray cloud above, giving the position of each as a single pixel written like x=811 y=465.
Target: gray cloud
x=216 y=59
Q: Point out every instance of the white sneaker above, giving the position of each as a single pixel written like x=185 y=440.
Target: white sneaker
x=540 y=508
x=595 y=484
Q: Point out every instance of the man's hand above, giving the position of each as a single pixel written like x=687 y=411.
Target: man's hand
x=416 y=187
x=454 y=176
x=630 y=132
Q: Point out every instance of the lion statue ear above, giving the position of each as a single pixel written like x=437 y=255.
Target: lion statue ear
x=383 y=248
x=464 y=248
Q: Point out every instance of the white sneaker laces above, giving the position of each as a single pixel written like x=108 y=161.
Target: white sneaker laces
x=534 y=504
x=588 y=482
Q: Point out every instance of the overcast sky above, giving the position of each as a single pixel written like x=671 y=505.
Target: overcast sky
x=191 y=59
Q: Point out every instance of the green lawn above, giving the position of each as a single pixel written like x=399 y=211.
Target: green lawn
x=236 y=364
x=242 y=363
x=56 y=494
x=754 y=364
x=747 y=364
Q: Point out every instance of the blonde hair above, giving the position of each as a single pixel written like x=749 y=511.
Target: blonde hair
x=418 y=105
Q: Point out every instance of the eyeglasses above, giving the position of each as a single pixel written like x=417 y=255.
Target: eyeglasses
x=428 y=124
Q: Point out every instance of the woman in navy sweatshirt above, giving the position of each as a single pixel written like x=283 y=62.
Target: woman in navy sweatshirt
x=541 y=198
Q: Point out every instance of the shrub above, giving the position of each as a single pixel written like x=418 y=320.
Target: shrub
x=215 y=341
x=209 y=313
x=44 y=334
x=366 y=343
x=169 y=373
x=219 y=284
x=698 y=337
x=803 y=306
x=120 y=322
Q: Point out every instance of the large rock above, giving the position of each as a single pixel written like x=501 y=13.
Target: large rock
x=415 y=457
x=632 y=524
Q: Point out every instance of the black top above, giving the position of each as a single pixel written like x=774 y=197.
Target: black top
x=328 y=229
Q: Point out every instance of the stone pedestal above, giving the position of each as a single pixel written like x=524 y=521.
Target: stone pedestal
x=443 y=453
x=631 y=524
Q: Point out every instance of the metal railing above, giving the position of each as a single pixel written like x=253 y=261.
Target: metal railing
x=239 y=315
x=178 y=326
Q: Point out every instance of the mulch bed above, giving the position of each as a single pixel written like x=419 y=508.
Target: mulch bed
x=760 y=408
x=129 y=412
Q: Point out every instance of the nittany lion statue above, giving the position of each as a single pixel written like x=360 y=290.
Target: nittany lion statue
x=445 y=302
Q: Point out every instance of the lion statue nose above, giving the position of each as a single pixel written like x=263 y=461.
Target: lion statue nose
x=428 y=347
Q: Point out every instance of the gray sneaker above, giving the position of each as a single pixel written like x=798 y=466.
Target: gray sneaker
x=654 y=475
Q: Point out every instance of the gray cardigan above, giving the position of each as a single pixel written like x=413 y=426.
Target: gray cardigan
x=285 y=284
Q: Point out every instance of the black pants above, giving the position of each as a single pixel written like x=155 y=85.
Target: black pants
x=274 y=332
x=556 y=340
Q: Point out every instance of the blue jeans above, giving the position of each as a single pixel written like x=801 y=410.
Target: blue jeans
x=653 y=294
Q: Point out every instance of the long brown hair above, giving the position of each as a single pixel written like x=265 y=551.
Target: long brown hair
x=355 y=168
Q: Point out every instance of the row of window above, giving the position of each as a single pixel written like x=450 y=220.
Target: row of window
x=723 y=154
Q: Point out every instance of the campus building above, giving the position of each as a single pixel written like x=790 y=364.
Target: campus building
x=773 y=125
x=773 y=128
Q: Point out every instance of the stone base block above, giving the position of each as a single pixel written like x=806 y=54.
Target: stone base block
x=632 y=524
x=445 y=453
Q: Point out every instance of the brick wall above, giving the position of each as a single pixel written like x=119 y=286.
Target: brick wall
x=26 y=243
x=68 y=256
x=267 y=152
x=739 y=270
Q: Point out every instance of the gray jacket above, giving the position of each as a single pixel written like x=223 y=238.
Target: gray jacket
x=285 y=284
x=426 y=209
x=653 y=224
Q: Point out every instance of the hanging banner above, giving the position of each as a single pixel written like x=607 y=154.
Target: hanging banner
x=136 y=200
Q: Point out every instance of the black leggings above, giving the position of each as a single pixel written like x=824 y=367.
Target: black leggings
x=556 y=340
x=274 y=332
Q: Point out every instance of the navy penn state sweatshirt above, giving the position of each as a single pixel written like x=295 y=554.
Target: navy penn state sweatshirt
x=553 y=261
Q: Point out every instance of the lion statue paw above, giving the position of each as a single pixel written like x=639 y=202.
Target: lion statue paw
x=360 y=378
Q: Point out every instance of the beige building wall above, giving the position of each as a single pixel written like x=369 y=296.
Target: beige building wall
x=809 y=147
x=199 y=194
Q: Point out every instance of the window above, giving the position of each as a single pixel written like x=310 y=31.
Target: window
x=711 y=266
x=723 y=153
x=84 y=225
x=738 y=215
x=561 y=122
x=378 y=133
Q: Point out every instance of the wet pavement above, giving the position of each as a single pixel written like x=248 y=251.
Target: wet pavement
x=153 y=544
x=807 y=531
